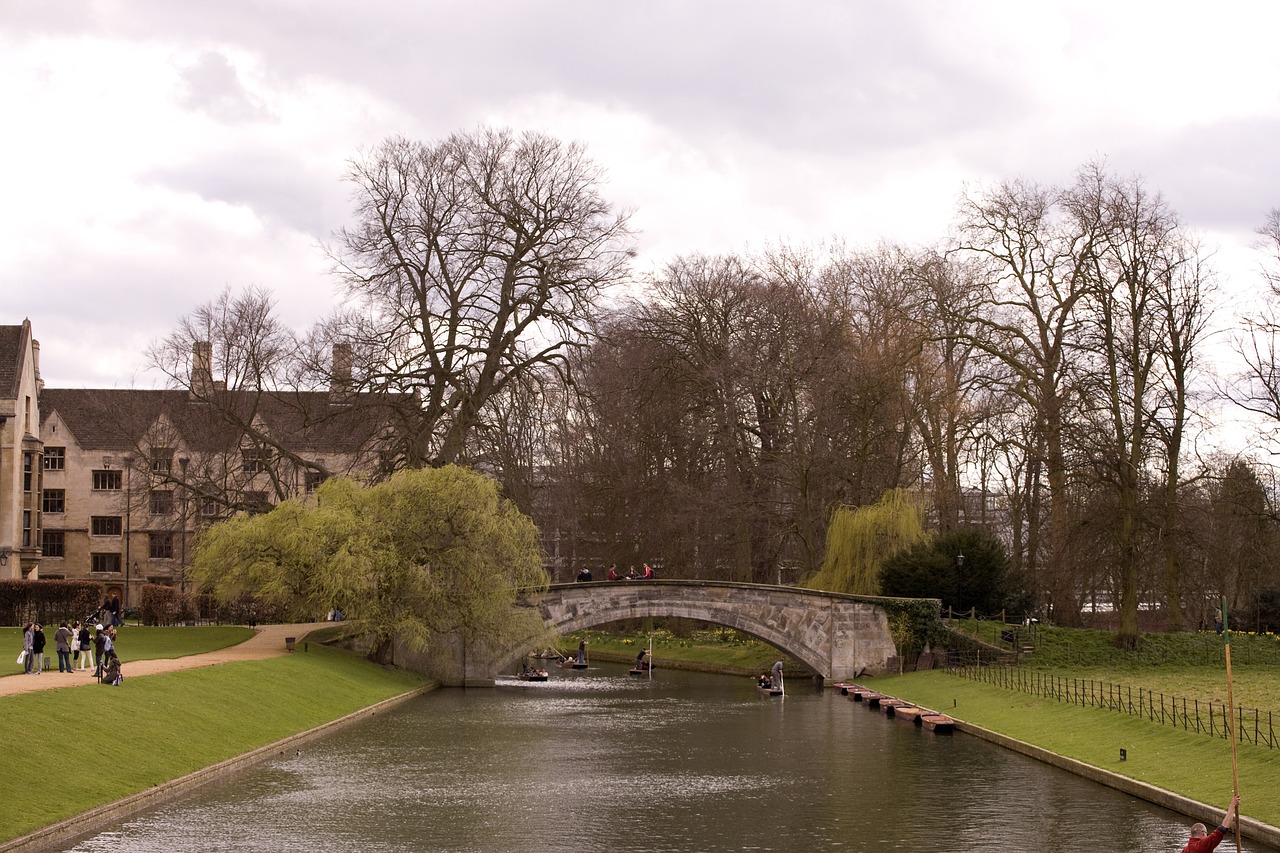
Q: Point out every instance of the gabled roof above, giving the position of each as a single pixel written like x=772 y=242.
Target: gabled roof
x=118 y=420
x=13 y=356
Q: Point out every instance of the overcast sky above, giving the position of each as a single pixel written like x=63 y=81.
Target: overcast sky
x=155 y=153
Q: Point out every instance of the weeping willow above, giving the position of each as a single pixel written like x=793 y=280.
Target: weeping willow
x=860 y=539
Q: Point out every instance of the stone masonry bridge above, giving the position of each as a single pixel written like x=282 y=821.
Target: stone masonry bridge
x=837 y=636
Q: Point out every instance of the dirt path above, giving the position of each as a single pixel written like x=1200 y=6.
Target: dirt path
x=268 y=642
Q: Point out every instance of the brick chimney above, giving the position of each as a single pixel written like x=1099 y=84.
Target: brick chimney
x=202 y=370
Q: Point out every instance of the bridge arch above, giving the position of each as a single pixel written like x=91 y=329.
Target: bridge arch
x=837 y=636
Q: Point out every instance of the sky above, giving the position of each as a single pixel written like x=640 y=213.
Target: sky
x=157 y=153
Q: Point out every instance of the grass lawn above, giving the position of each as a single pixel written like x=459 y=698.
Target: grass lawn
x=135 y=642
x=720 y=649
x=1196 y=766
x=73 y=749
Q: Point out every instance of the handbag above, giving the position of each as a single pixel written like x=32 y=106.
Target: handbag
x=22 y=655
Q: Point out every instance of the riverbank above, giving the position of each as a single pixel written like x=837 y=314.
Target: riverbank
x=91 y=747
x=1194 y=768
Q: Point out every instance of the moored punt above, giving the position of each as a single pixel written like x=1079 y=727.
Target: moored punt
x=890 y=705
x=873 y=699
x=859 y=694
x=909 y=713
x=937 y=722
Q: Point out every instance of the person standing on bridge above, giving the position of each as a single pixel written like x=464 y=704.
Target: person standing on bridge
x=1202 y=840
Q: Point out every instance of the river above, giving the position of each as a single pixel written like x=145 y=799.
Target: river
x=599 y=761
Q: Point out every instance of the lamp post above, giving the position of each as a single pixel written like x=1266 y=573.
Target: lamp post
x=128 y=527
x=182 y=557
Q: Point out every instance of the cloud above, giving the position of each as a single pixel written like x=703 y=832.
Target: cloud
x=213 y=87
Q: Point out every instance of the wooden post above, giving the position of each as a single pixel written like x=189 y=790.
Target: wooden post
x=1231 y=729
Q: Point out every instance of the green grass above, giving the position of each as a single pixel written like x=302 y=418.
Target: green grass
x=720 y=649
x=1189 y=665
x=134 y=642
x=84 y=746
x=1195 y=766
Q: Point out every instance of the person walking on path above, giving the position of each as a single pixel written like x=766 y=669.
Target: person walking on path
x=28 y=637
x=1202 y=840
x=37 y=647
x=85 y=641
x=62 y=643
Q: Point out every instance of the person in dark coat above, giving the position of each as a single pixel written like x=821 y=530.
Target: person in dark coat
x=37 y=647
x=85 y=640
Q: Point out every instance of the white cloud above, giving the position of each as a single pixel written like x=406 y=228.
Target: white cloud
x=158 y=153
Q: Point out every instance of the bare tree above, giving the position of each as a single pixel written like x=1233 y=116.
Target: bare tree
x=1026 y=318
x=473 y=261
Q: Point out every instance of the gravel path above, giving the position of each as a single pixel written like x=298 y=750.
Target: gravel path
x=268 y=642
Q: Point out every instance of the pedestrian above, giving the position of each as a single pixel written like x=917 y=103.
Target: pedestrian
x=85 y=640
x=62 y=643
x=116 y=621
x=1202 y=840
x=37 y=646
x=99 y=646
x=28 y=637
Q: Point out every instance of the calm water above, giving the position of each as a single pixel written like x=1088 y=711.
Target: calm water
x=598 y=761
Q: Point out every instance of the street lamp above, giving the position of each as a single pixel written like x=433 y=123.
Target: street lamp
x=183 y=461
x=128 y=527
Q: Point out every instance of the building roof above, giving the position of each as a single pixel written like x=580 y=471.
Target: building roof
x=13 y=352
x=306 y=421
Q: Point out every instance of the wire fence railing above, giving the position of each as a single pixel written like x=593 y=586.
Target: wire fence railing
x=1210 y=718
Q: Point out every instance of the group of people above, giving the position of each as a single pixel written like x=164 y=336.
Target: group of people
x=76 y=648
x=646 y=572
x=771 y=680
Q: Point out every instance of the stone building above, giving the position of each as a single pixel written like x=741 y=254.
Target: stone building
x=114 y=484
x=20 y=452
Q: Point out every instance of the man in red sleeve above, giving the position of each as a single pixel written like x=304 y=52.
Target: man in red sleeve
x=1202 y=840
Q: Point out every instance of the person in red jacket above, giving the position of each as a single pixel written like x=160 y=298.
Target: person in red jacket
x=1202 y=840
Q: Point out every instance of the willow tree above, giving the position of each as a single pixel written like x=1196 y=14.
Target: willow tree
x=429 y=551
x=860 y=539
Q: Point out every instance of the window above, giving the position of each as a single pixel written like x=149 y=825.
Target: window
x=26 y=528
x=255 y=502
x=55 y=458
x=54 y=543
x=162 y=502
x=105 y=525
x=108 y=481
x=28 y=468
x=313 y=481
x=55 y=500
x=253 y=461
x=209 y=508
x=161 y=459
x=162 y=546
x=104 y=563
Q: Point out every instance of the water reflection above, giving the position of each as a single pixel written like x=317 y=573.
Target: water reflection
x=598 y=760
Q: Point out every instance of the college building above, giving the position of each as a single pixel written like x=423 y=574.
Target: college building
x=112 y=485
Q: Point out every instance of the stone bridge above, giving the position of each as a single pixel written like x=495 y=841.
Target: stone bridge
x=836 y=636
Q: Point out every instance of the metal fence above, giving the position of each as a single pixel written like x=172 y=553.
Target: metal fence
x=1192 y=715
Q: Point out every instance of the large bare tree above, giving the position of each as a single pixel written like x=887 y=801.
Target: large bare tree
x=472 y=262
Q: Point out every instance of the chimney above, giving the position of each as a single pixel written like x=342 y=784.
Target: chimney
x=202 y=370
x=340 y=380
x=35 y=362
